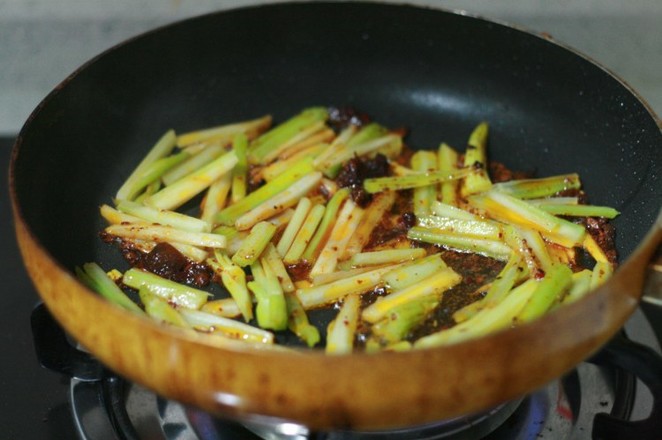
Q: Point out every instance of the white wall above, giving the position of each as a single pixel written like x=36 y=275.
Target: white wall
x=42 y=41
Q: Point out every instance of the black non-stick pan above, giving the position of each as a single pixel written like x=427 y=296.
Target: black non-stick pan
x=550 y=111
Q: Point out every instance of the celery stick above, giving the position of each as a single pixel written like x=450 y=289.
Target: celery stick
x=346 y=152
x=579 y=210
x=292 y=228
x=234 y=280
x=304 y=134
x=233 y=212
x=298 y=321
x=444 y=210
x=114 y=217
x=488 y=320
x=555 y=201
x=372 y=216
x=476 y=228
x=229 y=327
x=271 y=308
x=317 y=242
x=150 y=174
x=144 y=231
x=159 y=309
x=161 y=149
x=192 y=164
x=594 y=249
x=240 y=171
x=216 y=198
x=223 y=134
x=226 y=307
x=188 y=187
x=317 y=296
x=434 y=285
x=550 y=289
x=402 y=319
x=334 y=146
x=508 y=209
x=326 y=278
x=424 y=162
x=163 y=217
x=278 y=135
x=304 y=235
x=342 y=330
x=280 y=202
x=176 y=293
x=367 y=133
x=377 y=184
x=448 y=157
x=345 y=225
x=475 y=157
x=276 y=168
x=150 y=189
x=541 y=187
x=386 y=256
x=271 y=258
x=96 y=279
x=412 y=272
x=465 y=243
x=534 y=242
x=254 y=244
x=601 y=273
x=581 y=285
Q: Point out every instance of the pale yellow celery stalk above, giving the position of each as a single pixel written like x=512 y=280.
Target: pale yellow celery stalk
x=540 y=187
x=326 y=224
x=316 y=296
x=581 y=285
x=179 y=294
x=224 y=134
x=160 y=310
x=372 y=216
x=280 y=202
x=337 y=143
x=298 y=323
x=394 y=183
x=346 y=224
x=550 y=289
x=184 y=189
x=114 y=217
x=475 y=157
x=424 y=162
x=448 y=157
x=163 y=217
x=216 y=198
x=271 y=258
x=325 y=278
x=488 y=247
x=592 y=247
x=254 y=244
x=434 y=285
x=276 y=168
x=226 y=307
x=342 y=330
x=144 y=231
x=601 y=273
x=389 y=256
x=305 y=234
x=486 y=321
x=234 y=280
x=292 y=228
x=445 y=210
x=162 y=148
x=413 y=272
x=229 y=327
x=476 y=228
x=240 y=171
x=191 y=164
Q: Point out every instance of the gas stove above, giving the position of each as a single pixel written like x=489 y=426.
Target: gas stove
x=615 y=395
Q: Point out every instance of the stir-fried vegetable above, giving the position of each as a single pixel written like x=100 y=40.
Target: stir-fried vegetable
x=314 y=213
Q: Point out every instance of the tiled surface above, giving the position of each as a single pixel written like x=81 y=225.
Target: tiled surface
x=42 y=41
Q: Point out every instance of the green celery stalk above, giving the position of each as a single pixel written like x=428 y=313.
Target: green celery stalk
x=176 y=293
x=163 y=217
x=448 y=157
x=402 y=319
x=234 y=279
x=305 y=234
x=395 y=183
x=298 y=321
x=159 y=309
x=467 y=243
x=273 y=138
x=161 y=149
x=253 y=245
x=271 y=308
x=476 y=228
x=550 y=289
x=388 y=256
x=581 y=285
x=414 y=271
x=425 y=162
x=240 y=171
x=475 y=157
x=230 y=214
x=96 y=279
x=342 y=330
x=224 y=133
x=293 y=227
x=580 y=210
x=196 y=161
x=158 y=233
x=317 y=242
x=151 y=172
x=541 y=187
x=229 y=327
x=445 y=210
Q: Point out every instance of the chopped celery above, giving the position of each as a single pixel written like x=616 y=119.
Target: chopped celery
x=216 y=198
x=136 y=180
x=424 y=162
x=145 y=231
x=580 y=286
x=386 y=256
x=475 y=157
x=96 y=279
x=271 y=308
x=234 y=280
x=226 y=307
x=434 y=285
x=377 y=184
x=579 y=210
x=240 y=171
x=402 y=319
x=298 y=321
x=465 y=243
x=186 y=188
x=253 y=245
x=447 y=158
x=192 y=164
x=305 y=234
x=163 y=217
x=159 y=309
x=224 y=134
x=228 y=215
x=550 y=289
x=601 y=273
x=342 y=330
x=541 y=187
x=152 y=172
x=229 y=327
x=413 y=272
x=476 y=228
x=325 y=226
x=176 y=293
x=293 y=227
x=270 y=257
x=298 y=141
x=373 y=214
x=278 y=135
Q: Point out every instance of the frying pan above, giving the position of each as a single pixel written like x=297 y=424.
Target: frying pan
x=550 y=110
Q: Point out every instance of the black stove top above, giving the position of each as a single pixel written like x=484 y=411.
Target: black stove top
x=35 y=402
